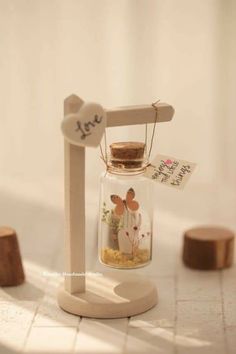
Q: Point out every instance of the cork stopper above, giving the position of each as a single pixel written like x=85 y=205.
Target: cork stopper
x=127 y=154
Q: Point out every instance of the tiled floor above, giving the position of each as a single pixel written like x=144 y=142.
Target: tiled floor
x=196 y=311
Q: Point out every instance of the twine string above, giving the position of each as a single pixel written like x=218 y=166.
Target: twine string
x=145 y=142
x=104 y=157
x=154 y=126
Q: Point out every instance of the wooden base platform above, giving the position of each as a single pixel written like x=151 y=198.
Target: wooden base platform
x=110 y=295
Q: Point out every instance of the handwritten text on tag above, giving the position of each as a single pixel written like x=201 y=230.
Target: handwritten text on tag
x=170 y=171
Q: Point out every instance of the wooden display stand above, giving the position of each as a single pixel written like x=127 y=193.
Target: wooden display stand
x=113 y=294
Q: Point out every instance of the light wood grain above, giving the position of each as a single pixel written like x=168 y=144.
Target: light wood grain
x=141 y=114
x=74 y=208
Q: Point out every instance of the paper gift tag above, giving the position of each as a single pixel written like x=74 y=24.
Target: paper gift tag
x=86 y=127
x=170 y=171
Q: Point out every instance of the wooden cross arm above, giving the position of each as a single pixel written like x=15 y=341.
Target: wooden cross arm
x=85 y=122
x=141 y=114
x=127 y=115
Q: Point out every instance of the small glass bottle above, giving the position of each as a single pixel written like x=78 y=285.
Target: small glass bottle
x=125 y=218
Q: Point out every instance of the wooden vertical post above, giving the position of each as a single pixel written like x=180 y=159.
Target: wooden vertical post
x=74 y=208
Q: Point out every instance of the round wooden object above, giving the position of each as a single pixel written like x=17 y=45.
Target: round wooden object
x=11 y=269
x=110 y=295
x=208 y=248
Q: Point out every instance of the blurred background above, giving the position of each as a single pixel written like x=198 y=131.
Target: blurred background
x=116 y=53
x=119 y=53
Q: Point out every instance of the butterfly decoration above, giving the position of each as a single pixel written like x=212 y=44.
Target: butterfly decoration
x=128 y=203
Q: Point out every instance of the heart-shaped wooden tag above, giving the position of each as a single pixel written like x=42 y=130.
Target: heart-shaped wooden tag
x=86 y=127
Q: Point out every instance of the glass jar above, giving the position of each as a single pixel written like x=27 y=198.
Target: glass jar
x=125 y=218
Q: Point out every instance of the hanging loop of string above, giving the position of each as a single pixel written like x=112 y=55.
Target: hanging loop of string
x=104 y=156
x=154 y=127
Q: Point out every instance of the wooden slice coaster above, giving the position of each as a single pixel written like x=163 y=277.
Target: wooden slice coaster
x=208 y=248
x=11 y=269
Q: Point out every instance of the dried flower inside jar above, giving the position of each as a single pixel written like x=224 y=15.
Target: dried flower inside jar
x=125 y=223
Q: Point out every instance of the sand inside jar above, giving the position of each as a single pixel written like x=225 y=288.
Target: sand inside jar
x=113 y=257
